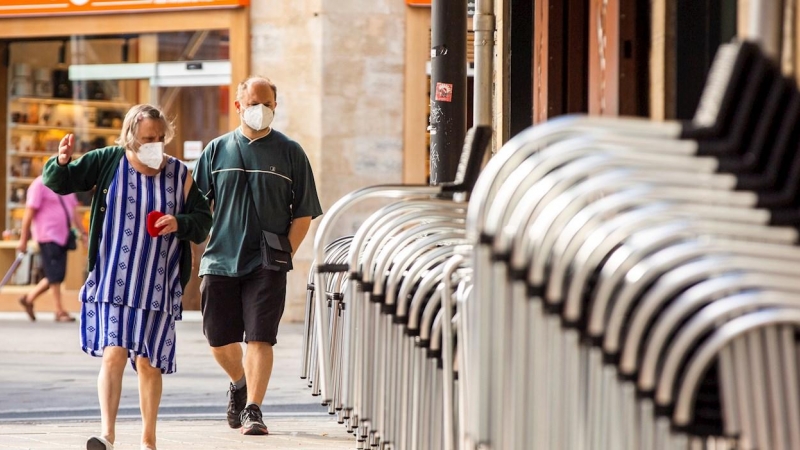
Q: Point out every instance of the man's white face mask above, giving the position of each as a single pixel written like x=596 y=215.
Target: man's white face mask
x=258 y=117
x=151 y=154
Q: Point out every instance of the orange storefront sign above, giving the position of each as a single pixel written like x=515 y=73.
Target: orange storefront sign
x=418 y=2
x=61 y=7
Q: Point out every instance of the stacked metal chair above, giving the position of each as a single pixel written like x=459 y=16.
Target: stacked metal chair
x=387 y=308
x=611 y=284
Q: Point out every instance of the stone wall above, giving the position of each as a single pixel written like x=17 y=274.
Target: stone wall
x=338 y=66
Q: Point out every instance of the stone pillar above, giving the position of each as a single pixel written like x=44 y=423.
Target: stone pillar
x=338 y=66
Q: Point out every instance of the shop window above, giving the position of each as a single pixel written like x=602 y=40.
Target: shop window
x=85 y=85
x=48 y=98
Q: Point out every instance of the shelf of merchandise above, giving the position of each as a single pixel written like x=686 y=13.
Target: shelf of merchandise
x=26 y=127
x=25 y=153
x=38 y=154
x=74 y=101
x=76 y=261
x=20 y=180
x=27 y=138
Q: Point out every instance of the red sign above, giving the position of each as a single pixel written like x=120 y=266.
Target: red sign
x=62 y=7
x=444 y=92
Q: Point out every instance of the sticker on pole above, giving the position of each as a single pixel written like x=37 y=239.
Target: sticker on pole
x=444 y=92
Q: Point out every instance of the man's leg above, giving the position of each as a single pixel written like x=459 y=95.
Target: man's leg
x=265 y=298
x=109 y=388
x=55 y=291
x=38 y=290
x=257 y=369
x=54 y=263
x=224 y=328
x=222 y=322
x=229 y=357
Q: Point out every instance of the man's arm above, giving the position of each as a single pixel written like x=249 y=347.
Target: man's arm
x=25 y=231
x=297 y=231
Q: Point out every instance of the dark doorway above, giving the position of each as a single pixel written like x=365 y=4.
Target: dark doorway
x=700 y=27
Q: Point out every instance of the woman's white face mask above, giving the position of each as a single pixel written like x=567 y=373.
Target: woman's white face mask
x=258 y=117
x=151 y=154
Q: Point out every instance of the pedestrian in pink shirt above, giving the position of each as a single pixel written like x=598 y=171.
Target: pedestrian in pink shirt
x=50 y=216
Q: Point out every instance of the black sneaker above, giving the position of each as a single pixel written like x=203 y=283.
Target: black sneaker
x=252 y=424
x=236 y=403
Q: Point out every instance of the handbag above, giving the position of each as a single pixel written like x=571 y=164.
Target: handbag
x=72 y=236
x=276 y=250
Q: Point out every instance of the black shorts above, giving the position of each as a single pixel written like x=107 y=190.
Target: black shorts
x=54 y=261
x=246 y=308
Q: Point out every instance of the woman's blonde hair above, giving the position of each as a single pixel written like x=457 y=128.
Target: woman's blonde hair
x=130 y=126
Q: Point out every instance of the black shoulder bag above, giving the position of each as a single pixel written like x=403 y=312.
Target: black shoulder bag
x=276 y=250
x=72 y=239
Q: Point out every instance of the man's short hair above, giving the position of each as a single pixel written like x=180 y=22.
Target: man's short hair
x=246 y=84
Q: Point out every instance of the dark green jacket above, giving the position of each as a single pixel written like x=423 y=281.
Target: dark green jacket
x=97 y=168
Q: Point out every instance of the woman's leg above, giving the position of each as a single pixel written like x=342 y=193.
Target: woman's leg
x=109 y=388
x=149 y=399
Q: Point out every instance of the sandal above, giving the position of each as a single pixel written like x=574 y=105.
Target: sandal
x=28 y=307
x=63 y=316
x=98 y=443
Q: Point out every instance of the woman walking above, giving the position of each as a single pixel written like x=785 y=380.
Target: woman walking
x=138 y=265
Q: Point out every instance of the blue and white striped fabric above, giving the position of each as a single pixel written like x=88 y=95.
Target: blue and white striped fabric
x=150 y=334
x=132 y=297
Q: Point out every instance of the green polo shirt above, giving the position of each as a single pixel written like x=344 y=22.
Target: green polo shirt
x=281 y=184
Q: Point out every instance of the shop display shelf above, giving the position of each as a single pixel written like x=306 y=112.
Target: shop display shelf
x=72 y=101
x=27 y=127
x=31 y=154
x=17 y=289
x=21 y=180
x=39 y=154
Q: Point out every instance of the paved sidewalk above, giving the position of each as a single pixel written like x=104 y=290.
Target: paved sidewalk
x=48 y=395
x=286 y=433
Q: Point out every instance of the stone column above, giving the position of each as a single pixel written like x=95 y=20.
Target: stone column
x=338 y=66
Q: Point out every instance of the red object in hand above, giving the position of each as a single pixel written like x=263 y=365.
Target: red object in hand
x=152 y=217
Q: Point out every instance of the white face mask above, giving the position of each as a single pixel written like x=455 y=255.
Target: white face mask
x=258 y=117
x=151 y=154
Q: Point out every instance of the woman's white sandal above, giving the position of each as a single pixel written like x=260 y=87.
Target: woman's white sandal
x=98 y=443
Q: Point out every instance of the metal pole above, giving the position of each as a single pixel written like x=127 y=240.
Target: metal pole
x=449 y=427
x=448 y=112
x=483 y=24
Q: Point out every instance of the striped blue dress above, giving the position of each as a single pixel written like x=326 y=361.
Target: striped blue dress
x=132 y=297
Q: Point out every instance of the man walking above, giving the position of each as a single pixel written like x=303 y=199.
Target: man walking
x=50 y=217
x=257 y=179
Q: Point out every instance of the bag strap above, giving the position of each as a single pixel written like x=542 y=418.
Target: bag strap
x=246 y=178
x=66 y=213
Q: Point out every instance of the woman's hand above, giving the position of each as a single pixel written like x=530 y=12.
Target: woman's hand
x=166 y=224
x=65 y=149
